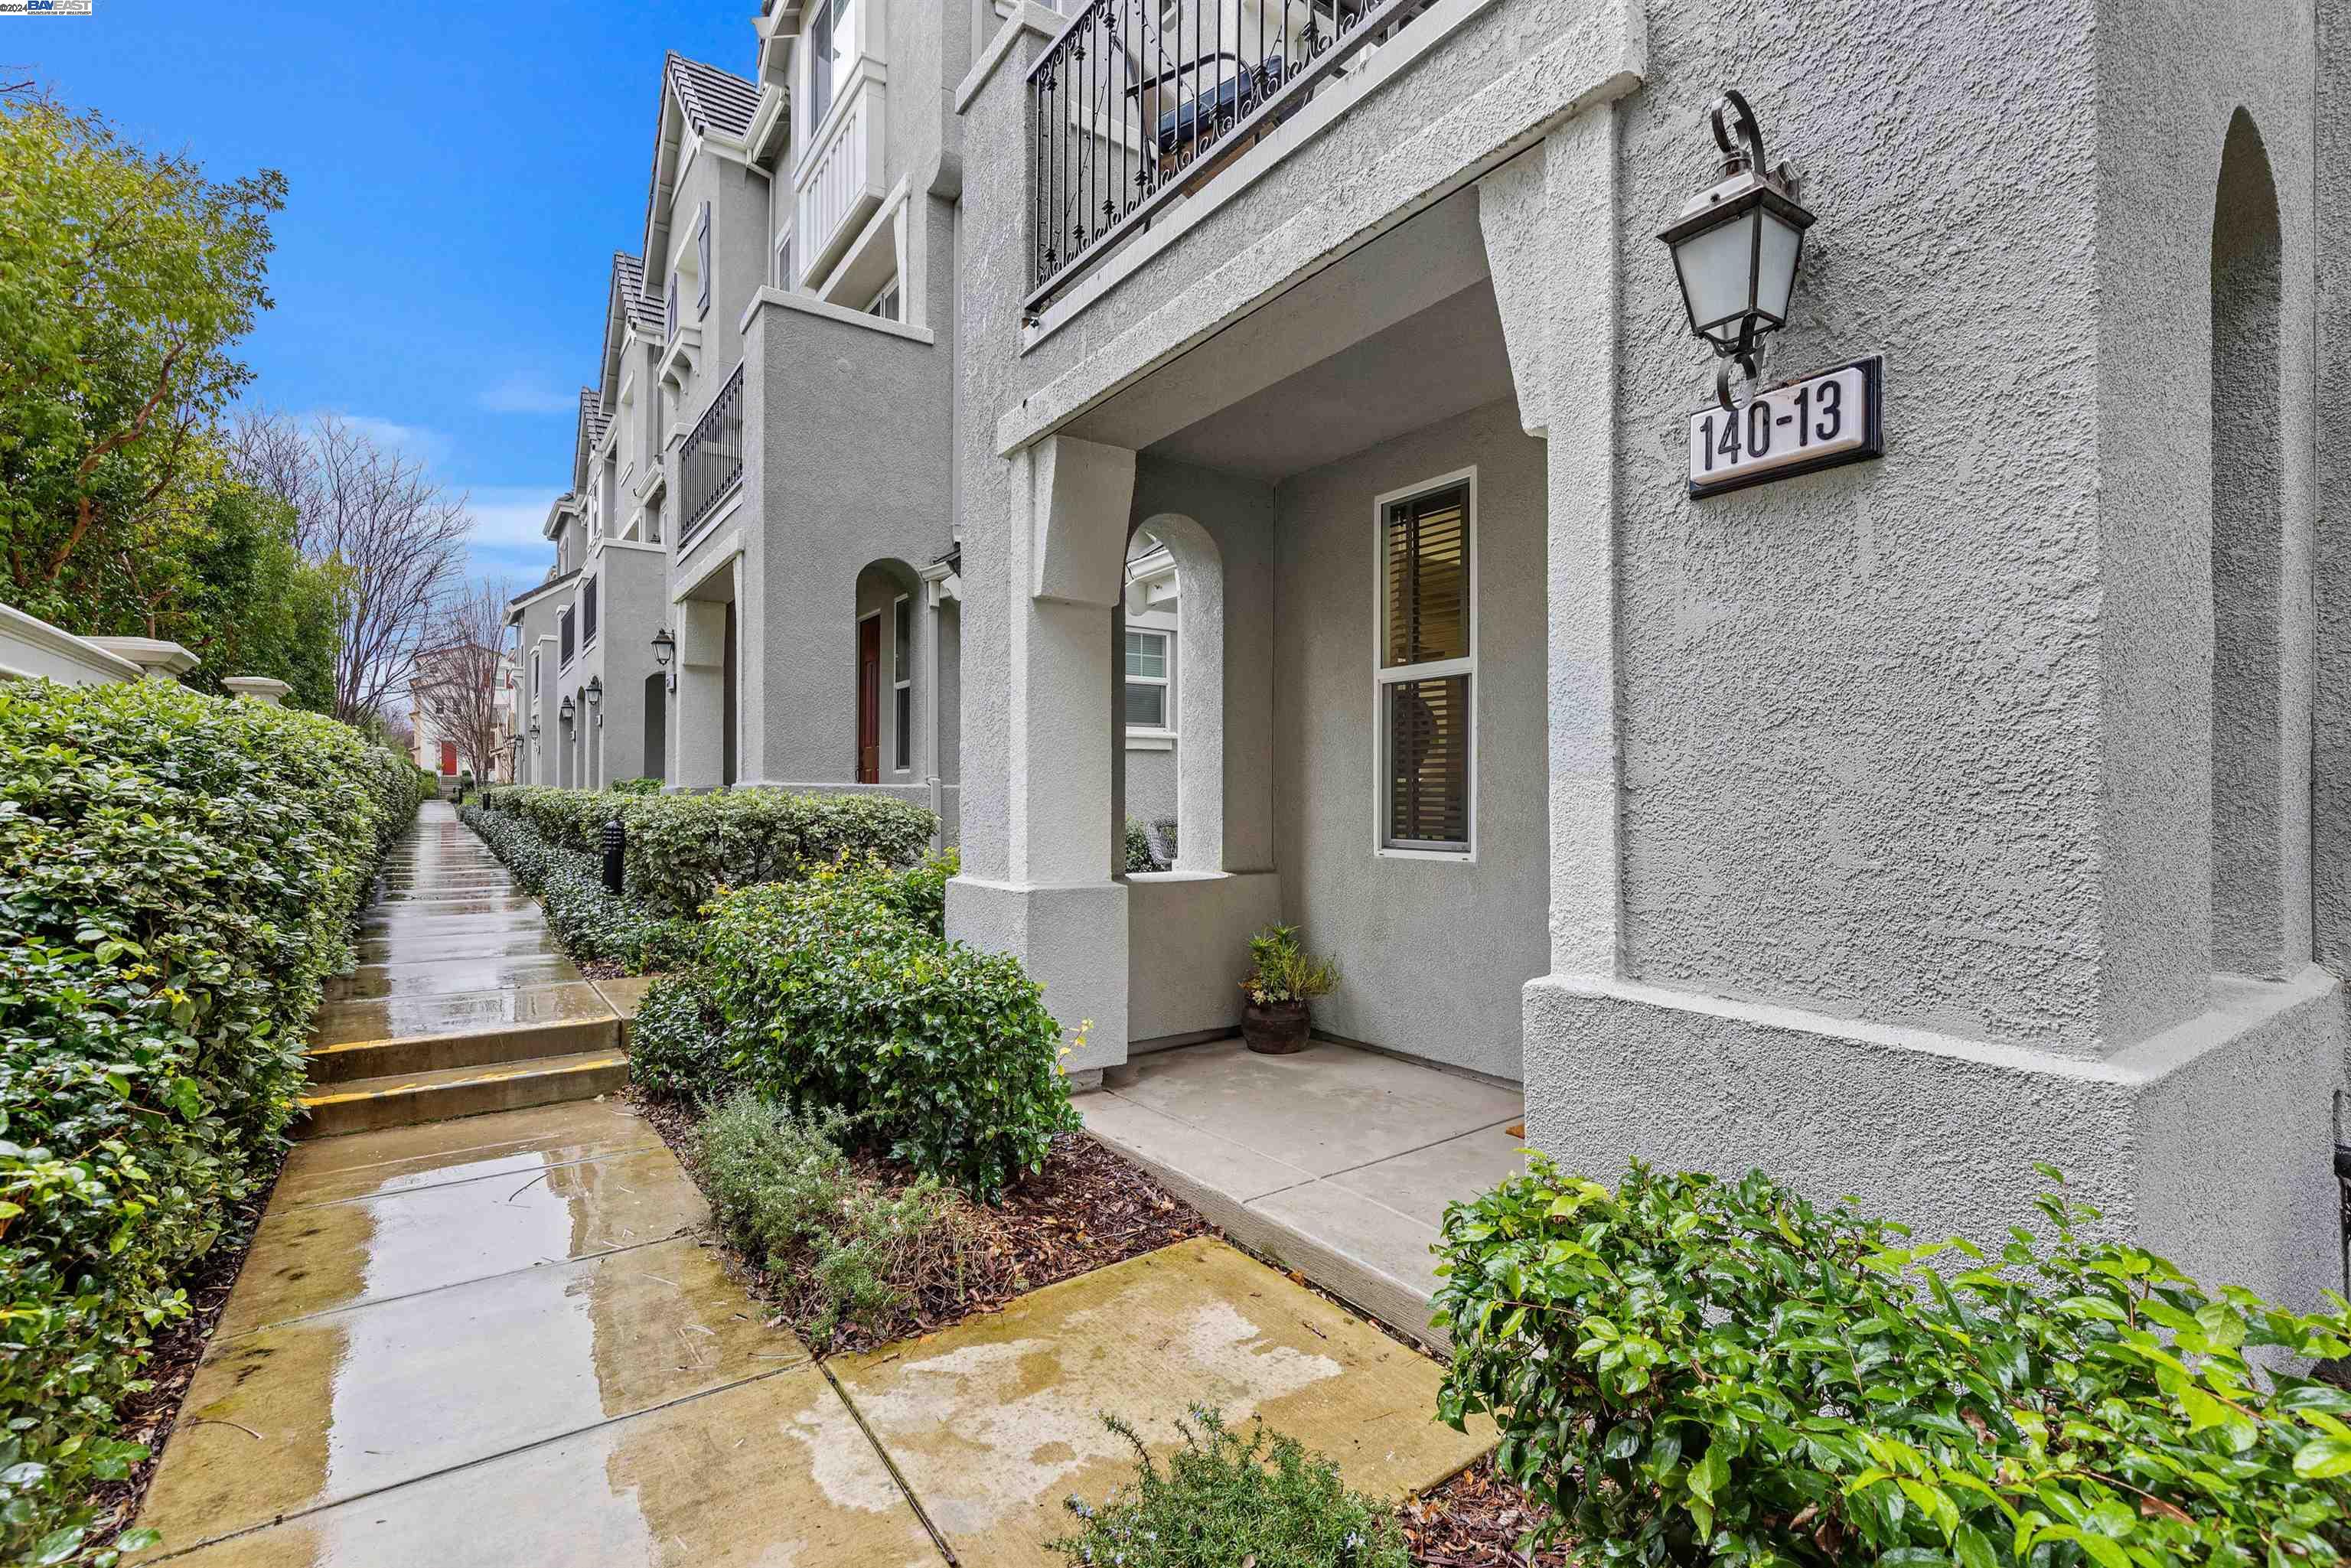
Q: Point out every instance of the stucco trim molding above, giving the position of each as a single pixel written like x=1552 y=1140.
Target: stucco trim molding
x=56 y=640
x=1587 y=66
x=1024 y=17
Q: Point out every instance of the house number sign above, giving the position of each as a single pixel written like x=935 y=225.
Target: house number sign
x=1799 y=427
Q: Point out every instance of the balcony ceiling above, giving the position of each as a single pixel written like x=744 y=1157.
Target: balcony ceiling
x=1445 y=360
x=1397 y=334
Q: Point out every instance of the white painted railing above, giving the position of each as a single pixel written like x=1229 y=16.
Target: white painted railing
x=840 y=182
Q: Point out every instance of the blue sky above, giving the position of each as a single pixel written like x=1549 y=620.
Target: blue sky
x=460 y=174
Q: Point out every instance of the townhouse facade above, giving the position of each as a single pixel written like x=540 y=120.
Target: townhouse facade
x=1892 y=825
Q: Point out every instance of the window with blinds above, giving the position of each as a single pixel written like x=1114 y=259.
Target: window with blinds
x=1426 y=669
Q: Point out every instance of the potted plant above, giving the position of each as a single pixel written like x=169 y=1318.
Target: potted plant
x=1284 y=978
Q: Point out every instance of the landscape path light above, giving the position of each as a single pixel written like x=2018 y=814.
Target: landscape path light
x=1736 y=244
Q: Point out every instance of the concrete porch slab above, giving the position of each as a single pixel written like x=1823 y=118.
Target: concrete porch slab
x=311 y=1413
x=324 y=1256
x=729 y=1479
x=1262 y=1147
x=993 y=1422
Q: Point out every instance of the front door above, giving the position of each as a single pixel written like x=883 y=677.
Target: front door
x=869 y=700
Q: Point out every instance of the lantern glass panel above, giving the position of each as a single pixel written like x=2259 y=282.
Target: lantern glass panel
x=1717 y=268
x=1775 y=271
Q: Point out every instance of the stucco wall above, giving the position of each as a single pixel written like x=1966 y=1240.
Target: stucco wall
x=1432 y=953
x=874 y=405
x=2331 y=754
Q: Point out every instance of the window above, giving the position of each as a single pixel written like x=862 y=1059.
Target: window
x=669 y=308
x=885 y=304
x=1147 y=679
x=563 y=638
x=588 y=614
x=902 y=667
x=784 y=259
x=653 y=522
x=534 y=673
x=1427 y=668
x=702 y=260
x=832 y=44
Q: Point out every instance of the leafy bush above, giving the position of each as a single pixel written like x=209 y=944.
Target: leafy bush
x=1226 y=1500
x=781 y=1187
x=683 y=848
x=177 y=877
x=589 y=922
x=1137 y=838
x=678 y=1045
x=830 y=994
x=1281 y=970
x=634 y=786
x=1689 y=1369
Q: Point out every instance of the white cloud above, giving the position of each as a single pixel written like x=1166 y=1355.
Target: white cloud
x=518 y=392
x=427 y=446
x=508 y=520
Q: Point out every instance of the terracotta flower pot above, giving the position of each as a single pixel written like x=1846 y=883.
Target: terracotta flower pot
x=1275 y=1029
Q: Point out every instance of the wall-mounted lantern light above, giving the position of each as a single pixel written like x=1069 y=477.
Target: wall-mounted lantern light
x=566 y=711
x=665 y=650
x=595 y=696
x=1735 y=246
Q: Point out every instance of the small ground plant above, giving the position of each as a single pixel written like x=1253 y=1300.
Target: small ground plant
x=1689 y=1369
x=782 y=1186
x=1225 y=1499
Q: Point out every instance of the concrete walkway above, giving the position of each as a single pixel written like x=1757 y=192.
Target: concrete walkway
x=506 y=1340
x=1338 y=1161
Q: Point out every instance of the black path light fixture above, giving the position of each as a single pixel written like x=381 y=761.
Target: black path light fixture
x=665 y=650
x=1736 y=244
x=595 y=696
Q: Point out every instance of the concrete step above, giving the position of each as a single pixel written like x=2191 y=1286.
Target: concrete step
x=398 y=1100
x=348 y=1061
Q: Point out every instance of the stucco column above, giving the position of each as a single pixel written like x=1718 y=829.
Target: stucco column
x=698 y=714
x=1053 y=576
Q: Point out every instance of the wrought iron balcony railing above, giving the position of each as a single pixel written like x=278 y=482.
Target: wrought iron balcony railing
x=710 y=461
x=1138 y=103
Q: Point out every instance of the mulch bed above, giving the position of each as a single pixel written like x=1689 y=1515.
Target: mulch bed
x=1085 y=1210
x=1474 y=1521
x=148 y=1418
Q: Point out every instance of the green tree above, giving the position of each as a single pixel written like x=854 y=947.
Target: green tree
x=126 y=279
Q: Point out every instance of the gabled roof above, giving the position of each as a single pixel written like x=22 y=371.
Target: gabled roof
x=713 y=100
x=530 y=594
x=591 y=416
x=629 y=279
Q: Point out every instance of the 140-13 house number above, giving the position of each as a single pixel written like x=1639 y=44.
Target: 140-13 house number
x=1799 y=427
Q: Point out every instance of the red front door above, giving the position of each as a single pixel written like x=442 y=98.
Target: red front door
x=449 y=757
x=869 y=700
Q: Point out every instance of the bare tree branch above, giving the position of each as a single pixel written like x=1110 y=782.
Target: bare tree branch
x=460 y=673
x=395 y=538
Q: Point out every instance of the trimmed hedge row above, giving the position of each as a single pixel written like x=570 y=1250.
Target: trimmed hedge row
x=589 y=922
x=839 y=992
x=681 y=849
x=177 y=877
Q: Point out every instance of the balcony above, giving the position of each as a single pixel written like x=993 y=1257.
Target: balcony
x=710 y=460
x=838 y=182
x=1136 y=106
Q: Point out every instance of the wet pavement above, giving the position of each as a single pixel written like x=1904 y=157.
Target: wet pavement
x=505 y=1339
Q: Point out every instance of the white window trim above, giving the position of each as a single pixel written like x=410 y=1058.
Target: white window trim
x=1383 y=678
x=701 y=261
x=902 y=680
x=1166 y=683
x=872 y=306
x=779 y=256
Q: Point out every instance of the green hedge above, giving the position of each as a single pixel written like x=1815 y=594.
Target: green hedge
x=839 y=992
x=177 y=877
x=683 y=848
x=590 y=923
x=1694 y=1371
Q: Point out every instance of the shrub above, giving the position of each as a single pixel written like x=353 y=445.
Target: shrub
x=634 y=786
x=177 y=877
x=678 y=1045
x=830 y=995
x=781 y=1187
x=1137 y=841
x=1281 y=970
x=683 y=848
x=1226 y=1500
x=589 y=923
x=1690 y=1370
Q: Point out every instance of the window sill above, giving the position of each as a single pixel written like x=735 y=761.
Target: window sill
x=1463 y=857
x=1150 y=740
